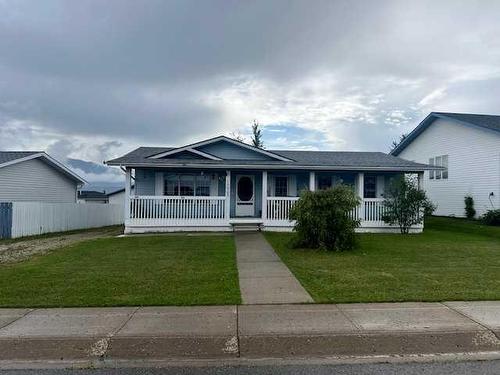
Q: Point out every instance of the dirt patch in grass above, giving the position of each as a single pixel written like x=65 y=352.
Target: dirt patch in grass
x=18 y=250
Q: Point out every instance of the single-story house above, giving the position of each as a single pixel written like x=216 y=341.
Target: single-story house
x=220 y=183
x=468 y=147
x=34 y=176
x=118 y=196
x=92 y=196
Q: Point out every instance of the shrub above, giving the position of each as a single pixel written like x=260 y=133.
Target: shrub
x=323 y=218
x=491 y=217
x=405 y=203
x=470 y=212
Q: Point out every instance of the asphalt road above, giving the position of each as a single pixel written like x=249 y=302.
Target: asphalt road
x=438 y=368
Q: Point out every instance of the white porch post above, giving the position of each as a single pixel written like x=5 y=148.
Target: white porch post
x=312 y=181
x=127 y=194
x=361 y=194
x=227 y=207
x=264 y=195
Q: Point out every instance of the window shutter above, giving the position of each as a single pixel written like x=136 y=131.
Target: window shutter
x=214 y=184
x=159 y=183
x=292 y=185
x=431 y=172
x=270 y=186
x=380 y=186
x=438 y=164
x=444 y=162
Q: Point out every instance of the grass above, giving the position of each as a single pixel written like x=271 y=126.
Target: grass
x=453 y=259
x=130 y=271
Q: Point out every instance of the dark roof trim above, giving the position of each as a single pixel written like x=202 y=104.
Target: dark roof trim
x=426 y=122
x=414 y=168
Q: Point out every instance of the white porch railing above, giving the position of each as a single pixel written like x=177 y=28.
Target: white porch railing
x=278 y=208
x=373 y=209
x=177 y=211
x=174 y=211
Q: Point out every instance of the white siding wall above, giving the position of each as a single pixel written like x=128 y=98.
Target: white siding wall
x=473 y=165
x=118 y=198
x=34 y=180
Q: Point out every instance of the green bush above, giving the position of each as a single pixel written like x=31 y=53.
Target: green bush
x=323 y=218
x=491 y=217
x=470 y=212
x=406 y=204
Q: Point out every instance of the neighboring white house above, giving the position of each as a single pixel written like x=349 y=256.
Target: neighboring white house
x=468 y=145
x=118 y=196
x=34 y=176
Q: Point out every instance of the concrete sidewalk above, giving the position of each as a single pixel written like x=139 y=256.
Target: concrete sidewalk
x=263 y=277
x=259 y=331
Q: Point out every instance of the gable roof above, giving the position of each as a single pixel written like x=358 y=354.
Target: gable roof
x=14 y=157
x=490 y=122
x=192 y=148
x=314 y=160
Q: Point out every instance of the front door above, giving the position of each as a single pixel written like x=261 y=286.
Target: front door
x=245 y=195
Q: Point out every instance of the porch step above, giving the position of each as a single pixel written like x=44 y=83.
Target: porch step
x=246 y=224
x=246 y=227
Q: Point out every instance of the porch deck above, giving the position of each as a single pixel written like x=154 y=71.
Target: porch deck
x=211 y=213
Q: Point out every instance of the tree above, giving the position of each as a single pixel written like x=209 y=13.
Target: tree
x=323 y=218
x=405 y=204
x=395 y=143
x=470 y=212
x=238 y=136
x=257 y=135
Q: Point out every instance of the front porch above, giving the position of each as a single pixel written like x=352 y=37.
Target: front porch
x=221 y=199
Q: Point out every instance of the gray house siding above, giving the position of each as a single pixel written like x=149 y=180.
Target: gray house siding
x=229 y=151
x=35 y=181
x=145 y=182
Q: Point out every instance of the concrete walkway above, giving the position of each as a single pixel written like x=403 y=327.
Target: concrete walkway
x=257 y=331
x=264 y=279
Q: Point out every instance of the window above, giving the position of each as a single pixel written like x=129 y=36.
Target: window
x=439 y=161
x=280 y=186
x=370 y=189
x=324 y=182
x=203 y=186
x=444 y=163
x=187 y=185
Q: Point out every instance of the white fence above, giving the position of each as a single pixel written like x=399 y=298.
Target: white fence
x=31 y=218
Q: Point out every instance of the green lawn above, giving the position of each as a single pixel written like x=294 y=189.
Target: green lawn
x=144 y=270
x=452 y=260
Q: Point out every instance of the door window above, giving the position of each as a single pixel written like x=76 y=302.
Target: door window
x=245 y=189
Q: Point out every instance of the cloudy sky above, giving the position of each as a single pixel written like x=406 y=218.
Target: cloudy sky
x=89 y=80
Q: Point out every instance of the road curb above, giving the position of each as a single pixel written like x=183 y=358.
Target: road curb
x=277 y=346
x=395 y=343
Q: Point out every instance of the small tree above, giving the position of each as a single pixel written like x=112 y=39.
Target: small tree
x=395 y=143
x=405 y=204
x=470 y=212
x=323 y=218
x=257 y=135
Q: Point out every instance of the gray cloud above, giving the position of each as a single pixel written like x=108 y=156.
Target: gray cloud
x=92 y=79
